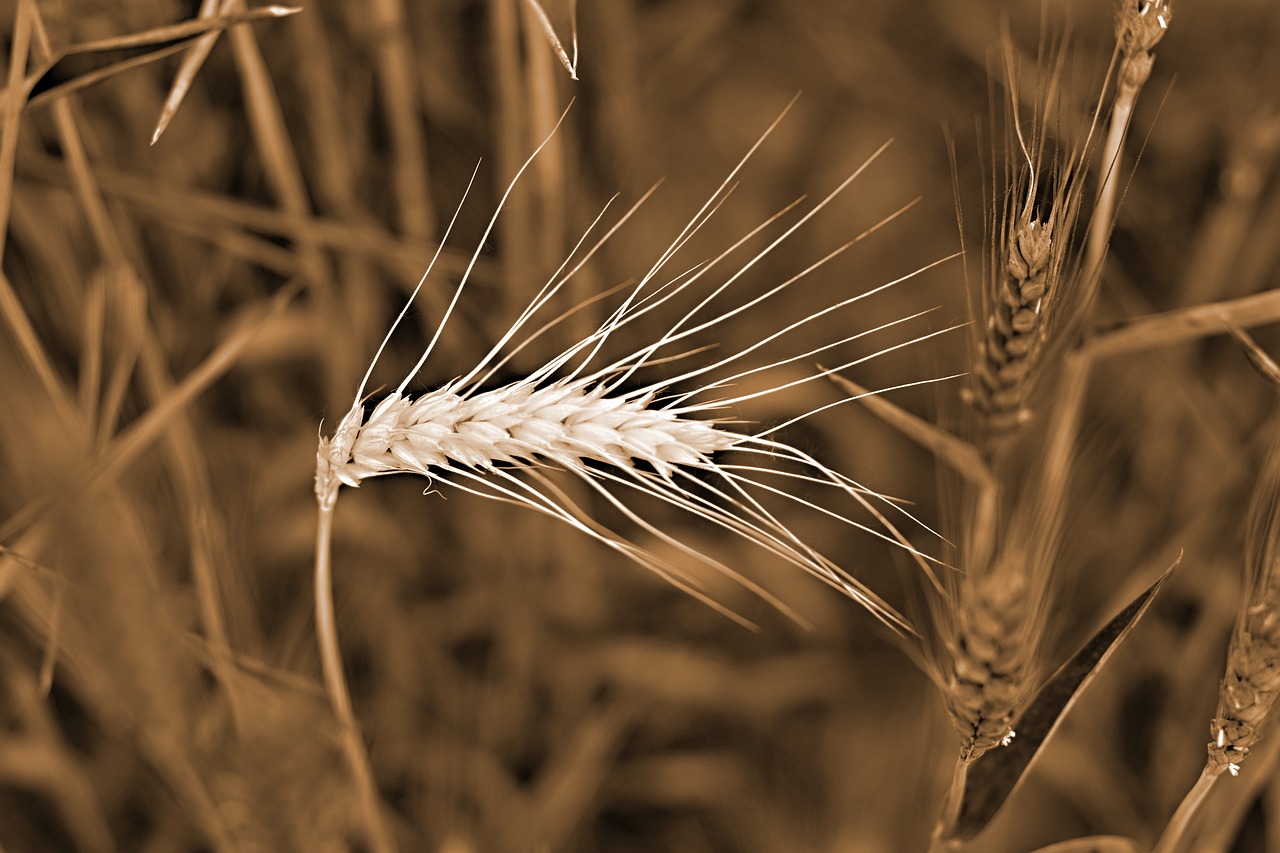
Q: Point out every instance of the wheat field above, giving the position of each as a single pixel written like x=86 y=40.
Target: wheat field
x=869 y=439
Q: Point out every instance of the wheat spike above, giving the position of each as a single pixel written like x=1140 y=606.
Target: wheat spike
x=1251 y=684
x=573 y=415
x=576 y=414
x=993 y=658
x=568 y=423
x=1033 y=288
x=1014 y=341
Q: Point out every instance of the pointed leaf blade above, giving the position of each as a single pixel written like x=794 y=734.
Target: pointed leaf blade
x=86 y=64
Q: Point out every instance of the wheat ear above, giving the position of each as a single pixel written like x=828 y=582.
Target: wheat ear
x=592 y=416
x=577 y=414
x=1033 y=287
x=1251 y=685
x=993 y=657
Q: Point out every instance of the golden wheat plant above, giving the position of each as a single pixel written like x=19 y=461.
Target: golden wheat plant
x=990 y=623
x=604 y=420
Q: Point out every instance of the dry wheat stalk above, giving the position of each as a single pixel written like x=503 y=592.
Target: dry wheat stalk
x=1139 y=27
x=582 y=414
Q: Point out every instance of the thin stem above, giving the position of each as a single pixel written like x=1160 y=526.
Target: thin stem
x=1175 y=833
x=1168 y=328
x=335 y=682
x=1104 y=214
x=941 y=840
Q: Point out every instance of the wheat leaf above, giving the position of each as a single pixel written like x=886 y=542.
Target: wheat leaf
x=994 y=776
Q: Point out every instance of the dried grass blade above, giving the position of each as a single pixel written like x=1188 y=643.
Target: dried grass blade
x=994 y=776
x=11 y=308
x=47 y=88
x=14 y=101
x=142 y=433
x=280 y=162
x=398 y=92
x=183 y=32
x=206 y=211
x=512 y=127
x=191 y=65
x=57 y=77
x=576 y=771
x=49 y=658
x=962 y=456
x=15 y=316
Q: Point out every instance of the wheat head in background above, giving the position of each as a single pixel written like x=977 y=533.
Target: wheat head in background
x=1252 y=681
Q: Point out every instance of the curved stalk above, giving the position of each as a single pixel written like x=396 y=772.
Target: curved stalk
x=950 y=809
x=1175 y=833
x=335 y=682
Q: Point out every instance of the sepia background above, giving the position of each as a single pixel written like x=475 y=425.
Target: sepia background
x=183 y=319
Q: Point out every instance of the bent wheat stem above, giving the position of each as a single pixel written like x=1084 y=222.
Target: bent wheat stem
x=1175 y=832
x=619 y=427
x=335 y=681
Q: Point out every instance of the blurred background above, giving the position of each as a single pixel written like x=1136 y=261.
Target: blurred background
x=182 y=319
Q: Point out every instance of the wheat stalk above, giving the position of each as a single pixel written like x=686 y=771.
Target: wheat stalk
x=1139 y=27
x=593 y=417
x=1033 y=294
x=990 y=618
